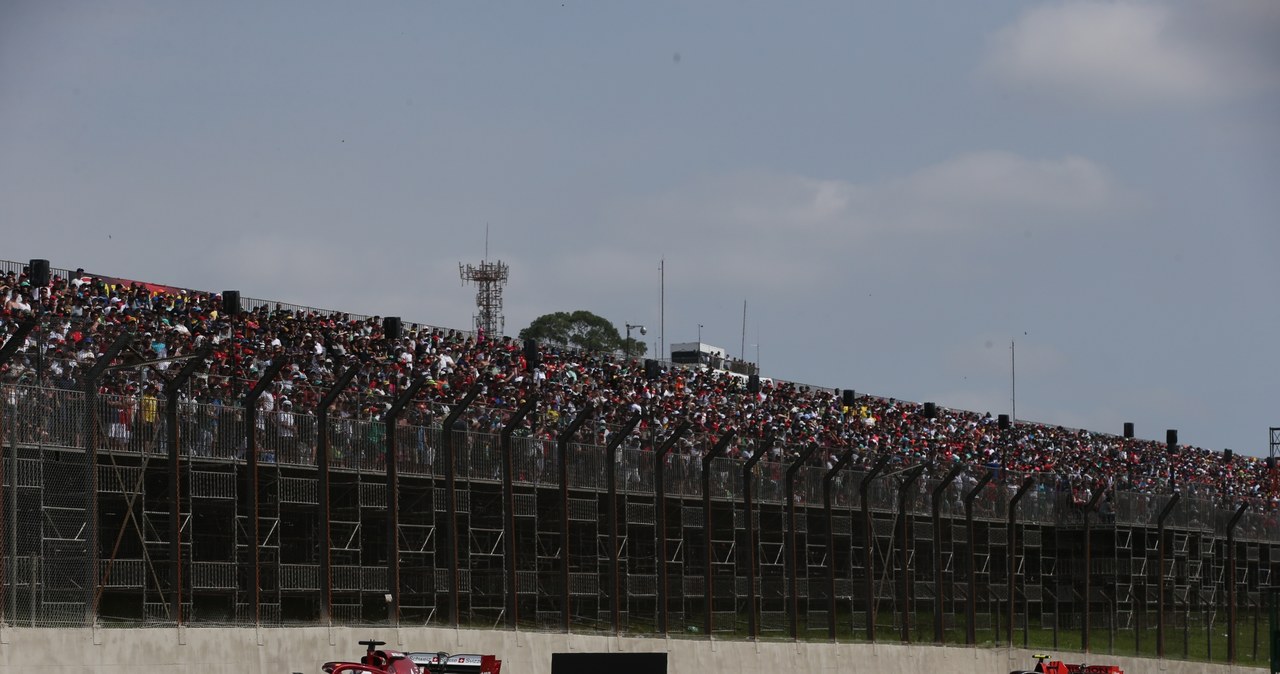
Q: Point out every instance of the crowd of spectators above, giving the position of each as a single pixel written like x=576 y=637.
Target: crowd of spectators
x=79 y=315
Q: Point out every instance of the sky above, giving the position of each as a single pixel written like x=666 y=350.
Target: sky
x=935 y=201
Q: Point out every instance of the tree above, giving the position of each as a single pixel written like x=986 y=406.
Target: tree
x=580 y=330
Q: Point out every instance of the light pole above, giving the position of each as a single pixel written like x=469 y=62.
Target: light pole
x=699 y=333
x=627 y=347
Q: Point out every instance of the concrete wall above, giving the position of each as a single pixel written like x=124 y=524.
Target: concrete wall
x=304 y=649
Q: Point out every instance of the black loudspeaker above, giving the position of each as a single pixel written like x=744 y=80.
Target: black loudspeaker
x=753 y=383
x=1271 y=463
x=391 y=327
x=1171 y=439
x=614 y=663
x=1128 y=429
x=651 y=369
x=531 y=358
x=1003 y=420
x=850 y=397
x=1226 y=455
x=930 y=411
x=39 y=273
x=231 y=302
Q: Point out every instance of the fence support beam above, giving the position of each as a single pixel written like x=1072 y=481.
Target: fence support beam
x=1088 y=565
x=19 y=337
x=939 y=632
x=908 y=482
x=91 y=437
x=1027 y=483
x=563 y=440
x=793 y=571
x=251 y=464
x=1231 y=582
x=709 y=571
x=970 y=633
x=509 y=506
x=615 y=585
x=323 y=463
x=660 y=503
x=827 y=479
x=451 y=495
x=1162 y=546
x=748 y=507
x=171 y=390
x=869 y=542
x=392 y=448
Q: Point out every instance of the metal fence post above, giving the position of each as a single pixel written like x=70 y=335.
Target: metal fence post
x=1160 y=604
x=323 y=463
x=563 y=440
x=451 y=495
x=91 y=448
x=939 y=631
x=1013 y=553
x=827 y=479
x=251 y=458
x=971 y=629
x=509 y=505
x=660 y=502
x=793 y=571
x=709 y=571
x=1088 y=567
x=1231 y=582
x=9 y=348
x=615 y=585
x=908 y=481
x=171 y=390
x=748 y=507
x=392 y=449
x=869 y=542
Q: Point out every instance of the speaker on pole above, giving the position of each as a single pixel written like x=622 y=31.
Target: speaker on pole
x=1003 y=421
x=391 y=327
x=850 y=397
x=930 y=411
x=1128 y=429
x=231 y=302
x=1226 y=455
x=39 y=274
x=651 y=369
x=531 y=357
x=1171 y=440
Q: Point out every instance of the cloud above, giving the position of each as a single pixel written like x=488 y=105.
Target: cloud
x=964 y=193
x=1134 y=53
x=972 y=190
x=730 y=228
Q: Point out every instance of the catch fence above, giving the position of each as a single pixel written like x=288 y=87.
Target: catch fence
x=118 y=514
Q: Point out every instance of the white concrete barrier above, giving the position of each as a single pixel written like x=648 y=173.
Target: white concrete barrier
x=208 y=650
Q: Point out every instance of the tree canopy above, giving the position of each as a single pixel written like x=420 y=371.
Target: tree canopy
x=580 y=330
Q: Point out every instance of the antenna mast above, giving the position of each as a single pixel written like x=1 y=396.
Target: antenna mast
x=489 y=277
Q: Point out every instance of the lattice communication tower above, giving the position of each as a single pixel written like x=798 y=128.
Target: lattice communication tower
x=489 y=277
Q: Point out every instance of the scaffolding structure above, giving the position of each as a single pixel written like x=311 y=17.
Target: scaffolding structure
x=490 y=278
x=97 y=529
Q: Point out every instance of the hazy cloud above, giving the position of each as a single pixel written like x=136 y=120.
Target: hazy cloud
x=963 y=193
x=805 y=228
x=1127 y=53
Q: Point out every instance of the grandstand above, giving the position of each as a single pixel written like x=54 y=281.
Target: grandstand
x=174 y=456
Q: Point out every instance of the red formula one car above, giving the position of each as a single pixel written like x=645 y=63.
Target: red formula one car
x=467 y=663
x=375 y=661
x=382 y=661
x=1046 y=666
